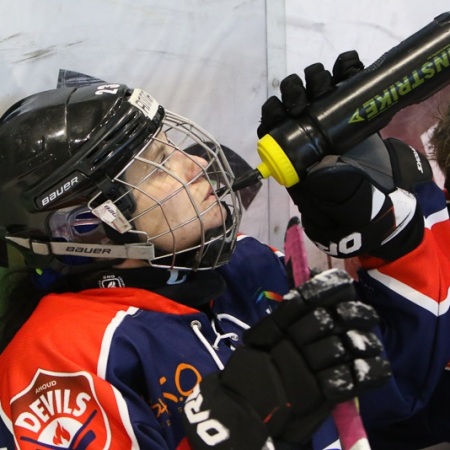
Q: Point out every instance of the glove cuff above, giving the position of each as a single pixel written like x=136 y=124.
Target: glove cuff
x=403 y=242
x=409 y=167
x=215 y=417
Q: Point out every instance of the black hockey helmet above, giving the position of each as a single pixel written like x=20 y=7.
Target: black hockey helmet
x=60 y=153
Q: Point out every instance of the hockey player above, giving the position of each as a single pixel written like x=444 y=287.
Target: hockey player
x=139 y=293
x=378 y=203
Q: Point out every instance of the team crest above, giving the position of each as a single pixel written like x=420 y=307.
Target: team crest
x=60 y=410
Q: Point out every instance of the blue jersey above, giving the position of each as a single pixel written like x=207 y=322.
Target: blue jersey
x=111 y=368
x=412 y=296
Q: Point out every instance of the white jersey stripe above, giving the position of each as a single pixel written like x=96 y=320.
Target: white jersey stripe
x=437 y=217
x=107 y=337
x=412 y=295
x=101 y=371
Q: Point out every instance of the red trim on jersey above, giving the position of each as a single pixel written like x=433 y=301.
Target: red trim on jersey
x=139 y=298
x=184 y=445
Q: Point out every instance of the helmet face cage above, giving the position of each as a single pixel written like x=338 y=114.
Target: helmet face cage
x=177 y=138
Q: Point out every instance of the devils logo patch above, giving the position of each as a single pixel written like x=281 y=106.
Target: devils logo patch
x=60 y=410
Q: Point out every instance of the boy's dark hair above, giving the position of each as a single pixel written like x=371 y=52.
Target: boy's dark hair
x=440 y=141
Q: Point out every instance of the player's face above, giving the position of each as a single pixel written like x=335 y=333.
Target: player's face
x=175 y=202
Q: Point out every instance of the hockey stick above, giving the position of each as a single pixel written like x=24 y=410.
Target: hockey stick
x=345 y=415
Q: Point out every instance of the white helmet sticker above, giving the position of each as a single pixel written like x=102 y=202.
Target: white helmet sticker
x=145 y=102
x=108 y=213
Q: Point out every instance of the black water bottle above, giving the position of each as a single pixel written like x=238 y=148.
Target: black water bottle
x=358 y=107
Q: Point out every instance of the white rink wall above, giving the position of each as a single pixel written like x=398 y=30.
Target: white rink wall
x=213 y=61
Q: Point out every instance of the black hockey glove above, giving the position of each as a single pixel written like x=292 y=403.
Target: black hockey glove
x=295 y=96
x=313 y=352
x=362 y=202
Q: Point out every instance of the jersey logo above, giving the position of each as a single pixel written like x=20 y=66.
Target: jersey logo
x=60 y=410
x=111 y=281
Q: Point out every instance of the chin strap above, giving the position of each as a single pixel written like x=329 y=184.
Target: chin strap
x=108 y=251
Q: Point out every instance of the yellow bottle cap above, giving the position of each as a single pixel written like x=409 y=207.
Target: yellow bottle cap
x=275 y=163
